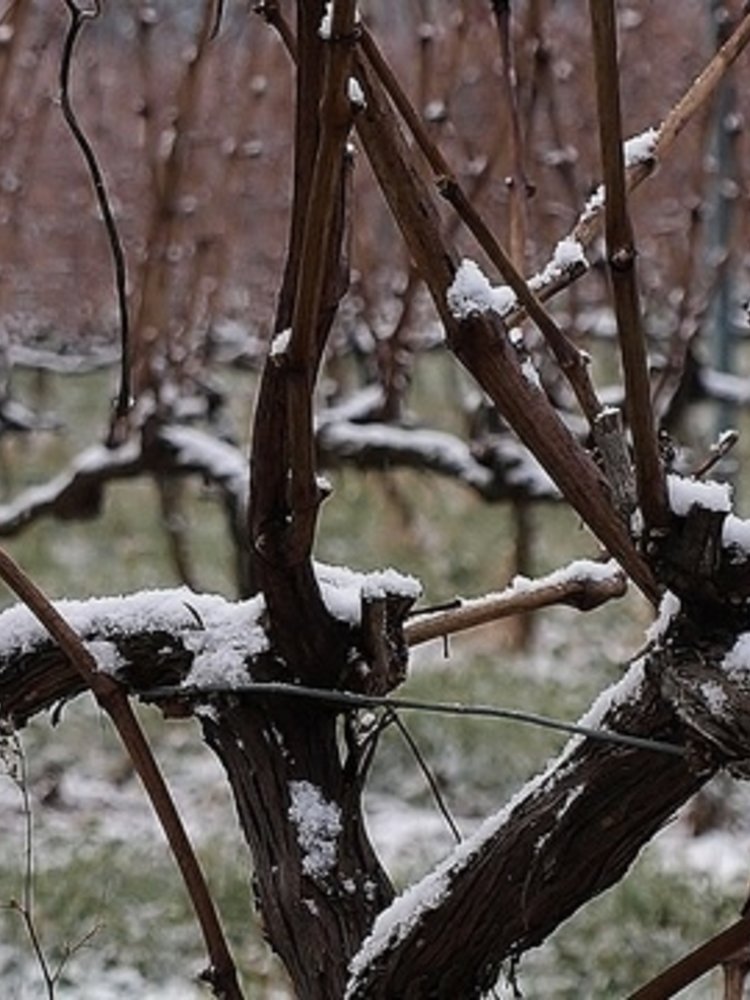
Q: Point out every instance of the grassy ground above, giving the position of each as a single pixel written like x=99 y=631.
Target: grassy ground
x=100 y=863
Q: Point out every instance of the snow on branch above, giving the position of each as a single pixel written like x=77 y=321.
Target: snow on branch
x=472 y=292
x=141 y=639
x=497 y=469
x=501 y=468
x=567 y=835
x=77 y=491
x=642 y=153
x=170 y=637
x=583 y=584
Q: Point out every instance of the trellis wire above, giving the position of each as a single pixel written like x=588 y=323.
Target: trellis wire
x=350 y=699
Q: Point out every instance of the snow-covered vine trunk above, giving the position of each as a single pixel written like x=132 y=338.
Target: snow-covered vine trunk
x=568 y=835
x=316 y=879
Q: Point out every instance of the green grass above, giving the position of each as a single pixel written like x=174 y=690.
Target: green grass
x=628 y=935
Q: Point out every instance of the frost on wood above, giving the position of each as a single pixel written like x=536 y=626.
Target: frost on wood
x=318 y=824
x=326 y=22
x=735 y=537
x=280 y=343
x=737 y=660
x=355 y=93
x=669 y=608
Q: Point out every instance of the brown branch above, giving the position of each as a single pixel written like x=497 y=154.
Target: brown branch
x=285 y=496
x=272 y=14
x=320 y=224
x=168 y=175
x=519 y=188
x=572 y=361
x=114 y=701
x=677 y=118
x=580 y=588
x=78 y=18
x=694 y=965
x=76 y=492
x=480 y=341
x=498 y=468
x=621 y=253
x=570 y=834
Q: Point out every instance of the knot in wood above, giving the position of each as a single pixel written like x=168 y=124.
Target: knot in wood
x=622 y=258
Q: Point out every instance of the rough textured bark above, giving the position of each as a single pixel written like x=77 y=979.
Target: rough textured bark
x=570 y=837
x=315 y=923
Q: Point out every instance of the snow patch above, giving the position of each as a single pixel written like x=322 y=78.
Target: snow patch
x=318 y=825
x=344 y=589
x=579 y=569
x=280 y=343
x=326 y=22
x=669 y=607
x=735 y=534
x=568 y=256
x=715 y=696
x=737 y=659
x=222 y=649
x=355 y=93
x=471 y=292
x=222 y=636
x=640 y=148
x=686 y=493
x=529 y=372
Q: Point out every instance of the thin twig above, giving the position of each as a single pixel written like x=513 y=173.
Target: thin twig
x=78 y=17
x=113 y=699
x=621 y=253
x=15 y=764
x=272 y=14
x=589 y=223
x=26 y=908
x=218 y=16
x=424 y=767
x=719 y=450
x=477 y=339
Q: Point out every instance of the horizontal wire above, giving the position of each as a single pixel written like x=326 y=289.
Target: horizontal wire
x=353 y=700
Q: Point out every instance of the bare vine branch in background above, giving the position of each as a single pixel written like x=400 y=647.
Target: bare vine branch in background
x=519 y=188
x=78 y=18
